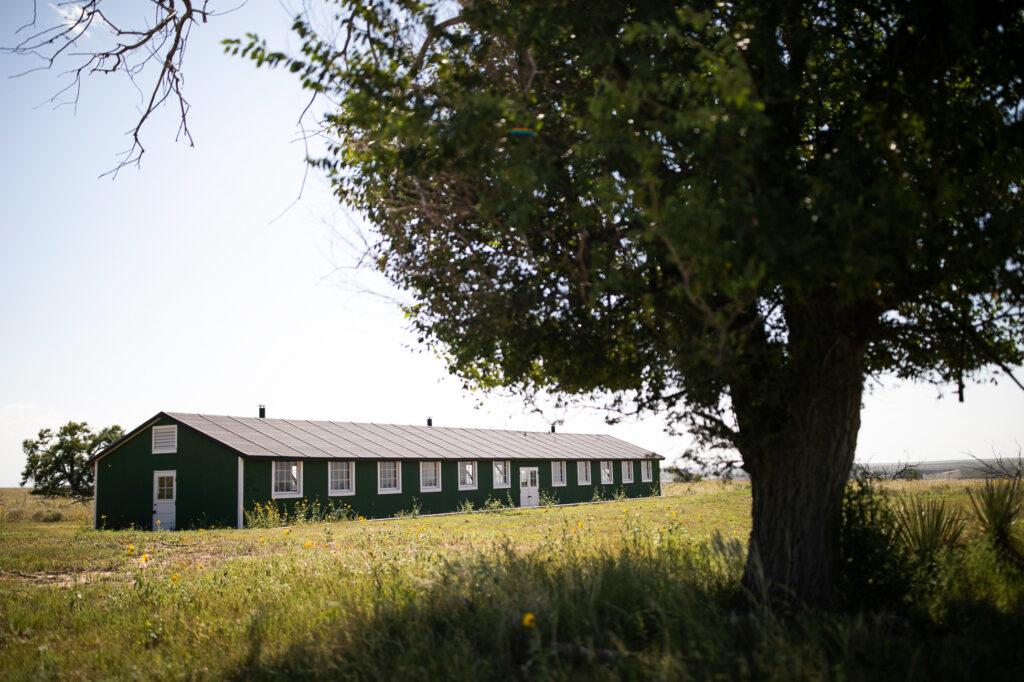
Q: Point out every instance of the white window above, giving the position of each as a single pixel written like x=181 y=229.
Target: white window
x=467 y=475
x=583 y=473
x=558 y=473
x=430 y=477
x=502 y=474
x=627 y=472
x=165 y=439
x=287 y=479
x=607 y=473
x=646 y=471
x=340 y=480
x=389 y=477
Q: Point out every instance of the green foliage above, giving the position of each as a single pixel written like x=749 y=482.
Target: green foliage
x=276 y=514
x=497 y=504
x=548 y=499
x=413 y=511
x=701 y=179
x=465 y=507
x=999 y=506
x=57 y=464
x=875 y=571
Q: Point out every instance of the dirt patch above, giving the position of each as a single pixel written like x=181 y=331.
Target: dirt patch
x=68 y=579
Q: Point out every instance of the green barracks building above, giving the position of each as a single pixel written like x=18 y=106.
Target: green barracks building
x=182 y=470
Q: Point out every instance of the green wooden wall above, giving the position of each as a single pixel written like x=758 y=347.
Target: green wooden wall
x=207 y=482
x=367 y=502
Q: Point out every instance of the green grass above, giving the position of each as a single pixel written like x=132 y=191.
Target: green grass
x=640 y=588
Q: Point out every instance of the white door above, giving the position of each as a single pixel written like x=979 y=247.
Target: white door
x=165 y=492
x=529 y=487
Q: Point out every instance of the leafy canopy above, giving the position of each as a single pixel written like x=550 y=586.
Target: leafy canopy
x=58 y=463
x=699 y=194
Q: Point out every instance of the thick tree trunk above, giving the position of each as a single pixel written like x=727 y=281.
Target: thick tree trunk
x=798 y=449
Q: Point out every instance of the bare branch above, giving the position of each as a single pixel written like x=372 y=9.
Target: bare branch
x=90 y=38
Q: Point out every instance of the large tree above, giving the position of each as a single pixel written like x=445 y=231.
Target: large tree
x=729 y=212
x=57 y=464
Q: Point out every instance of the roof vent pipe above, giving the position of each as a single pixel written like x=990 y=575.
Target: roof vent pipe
x=430 y=421
x=552 y=428
x=263 y=411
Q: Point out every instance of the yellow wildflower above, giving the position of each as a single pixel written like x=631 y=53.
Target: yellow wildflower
x=674 y=515
x=287 y=531
x=307 y=544
x=175 y=578
x=579 y=524
x=130 y=549
x=262 y=539
x=362 y=518
x=144 y=559
x=529 y=620
x=158 y=522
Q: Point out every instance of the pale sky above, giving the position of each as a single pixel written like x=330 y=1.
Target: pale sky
x=173 y=287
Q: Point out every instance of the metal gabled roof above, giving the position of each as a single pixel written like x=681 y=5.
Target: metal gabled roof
x=303 y=439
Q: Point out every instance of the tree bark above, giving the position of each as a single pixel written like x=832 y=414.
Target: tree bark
x=798 y=448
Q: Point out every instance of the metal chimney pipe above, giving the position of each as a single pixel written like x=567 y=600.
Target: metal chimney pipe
x=552 y=428
x=263 y=411
x=430 y=421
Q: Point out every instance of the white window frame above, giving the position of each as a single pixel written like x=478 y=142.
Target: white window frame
x=646 y=471
x=298 y=474
x=607 y=467
x=561 y=479
x=430 y=488
x=398 y=477
x=627 y=468
x=351 y=489
x=165 y=449
x=508 y=474
x=476 y=481
x=584 y=473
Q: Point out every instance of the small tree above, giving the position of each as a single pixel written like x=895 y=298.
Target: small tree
x=58 y=463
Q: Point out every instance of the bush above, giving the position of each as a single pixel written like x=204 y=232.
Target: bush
x=999 y=506
x=875 y=570
x=272 y=515
x=47 y=515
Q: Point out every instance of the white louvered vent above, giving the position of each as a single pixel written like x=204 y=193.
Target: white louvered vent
x=165 y=439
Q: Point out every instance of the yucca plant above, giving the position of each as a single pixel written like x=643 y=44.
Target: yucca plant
x=926 y=527
x=999 y=506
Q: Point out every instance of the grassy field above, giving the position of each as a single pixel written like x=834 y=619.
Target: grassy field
x=641 y=588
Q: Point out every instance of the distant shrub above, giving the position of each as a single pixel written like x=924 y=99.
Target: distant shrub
x=465 y=507
x=875 y=571
x=47 y=515
x=911 y=473
x=681 y=475
x=999 y=506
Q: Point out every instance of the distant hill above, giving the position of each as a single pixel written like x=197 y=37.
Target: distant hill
x=951 y=469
